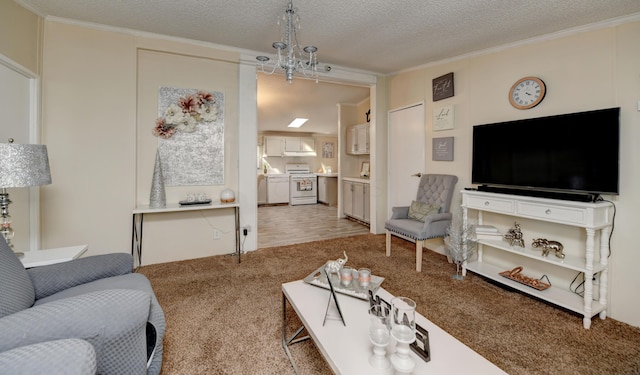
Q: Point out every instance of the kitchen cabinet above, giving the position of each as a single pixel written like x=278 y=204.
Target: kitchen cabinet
x=328 y=190
x=358 y=139
x=299 y=144
x=273 y=146
x=596 y=219
x=355 y=200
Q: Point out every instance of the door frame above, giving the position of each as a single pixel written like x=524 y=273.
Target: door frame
x=34 y=137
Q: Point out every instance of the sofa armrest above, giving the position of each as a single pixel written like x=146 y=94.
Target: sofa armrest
x=399 y=212
x=68 y=356
x=51 y=279
x=113 y=321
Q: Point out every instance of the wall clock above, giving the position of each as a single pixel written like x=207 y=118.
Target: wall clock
x=527 y=92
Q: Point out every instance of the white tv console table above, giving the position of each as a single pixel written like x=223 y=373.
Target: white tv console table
x=593 y=217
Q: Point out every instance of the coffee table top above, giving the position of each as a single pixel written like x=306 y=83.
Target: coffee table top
x=347 y=349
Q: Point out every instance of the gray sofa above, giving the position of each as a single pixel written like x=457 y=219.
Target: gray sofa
x=50 y=313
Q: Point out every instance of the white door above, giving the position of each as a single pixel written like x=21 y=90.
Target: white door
x=407 y=145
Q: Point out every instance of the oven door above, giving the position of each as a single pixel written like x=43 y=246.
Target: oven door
x=303 y=187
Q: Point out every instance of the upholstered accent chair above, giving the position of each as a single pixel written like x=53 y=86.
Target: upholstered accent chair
x=428 y=216
x=95 y=300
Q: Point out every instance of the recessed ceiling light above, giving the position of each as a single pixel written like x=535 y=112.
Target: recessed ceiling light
x=298 y=122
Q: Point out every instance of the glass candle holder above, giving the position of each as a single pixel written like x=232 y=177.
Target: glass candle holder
x=403 y=330
x=364 y=277
x=346 y=276
x=379 y=336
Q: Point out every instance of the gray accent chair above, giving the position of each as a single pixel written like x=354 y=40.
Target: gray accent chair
x=96 y=299
x=433 y=189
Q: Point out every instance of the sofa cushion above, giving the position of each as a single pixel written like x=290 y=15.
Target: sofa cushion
x=419 y=210
x=16 y=293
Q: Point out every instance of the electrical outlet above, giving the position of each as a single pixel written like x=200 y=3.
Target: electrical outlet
x=216 y=234
x=245 y=231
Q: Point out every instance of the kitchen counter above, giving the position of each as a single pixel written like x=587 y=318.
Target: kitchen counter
x=334 y=174
x=356 y=179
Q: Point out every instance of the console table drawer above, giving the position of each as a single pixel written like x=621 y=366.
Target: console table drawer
x=559 y=214
x=491 y=204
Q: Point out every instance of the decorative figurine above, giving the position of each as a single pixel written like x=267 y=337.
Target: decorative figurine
x=334 y=266
x=548 y=246
x=514 y=236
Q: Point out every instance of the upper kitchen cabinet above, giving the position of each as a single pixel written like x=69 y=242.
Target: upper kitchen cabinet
x=274 y=146
x=294 y=146
x=358 y=139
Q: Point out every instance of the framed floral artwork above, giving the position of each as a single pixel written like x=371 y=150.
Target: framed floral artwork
x=190 y=131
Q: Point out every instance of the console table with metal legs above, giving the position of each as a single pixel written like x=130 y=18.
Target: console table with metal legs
x=138 y=221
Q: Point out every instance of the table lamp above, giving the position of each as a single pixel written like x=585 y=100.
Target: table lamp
x=21 y=165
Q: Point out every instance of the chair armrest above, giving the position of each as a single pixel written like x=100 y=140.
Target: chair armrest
x=437 y=217
x=68 y=356
x=51 y=279
x=113 y=321
x=399 y=212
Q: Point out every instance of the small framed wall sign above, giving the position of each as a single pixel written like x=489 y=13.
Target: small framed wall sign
x=442 y=87
x=443 y=118
x=442 y=149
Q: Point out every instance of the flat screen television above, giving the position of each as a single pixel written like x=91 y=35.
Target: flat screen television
x=563 y=156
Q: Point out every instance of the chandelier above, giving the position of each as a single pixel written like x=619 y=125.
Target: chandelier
x=291 y=58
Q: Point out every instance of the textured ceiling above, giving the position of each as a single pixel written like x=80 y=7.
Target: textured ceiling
x=378 y=36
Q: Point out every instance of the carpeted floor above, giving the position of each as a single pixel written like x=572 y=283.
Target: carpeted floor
x=225 y=318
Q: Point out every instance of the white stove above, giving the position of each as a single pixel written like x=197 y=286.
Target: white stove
x=303 y=185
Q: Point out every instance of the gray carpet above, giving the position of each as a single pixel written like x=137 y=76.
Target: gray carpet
x=225 y=318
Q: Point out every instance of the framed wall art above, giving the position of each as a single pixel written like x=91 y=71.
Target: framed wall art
x=442 y=149
x=442 y=87
x=443 y=118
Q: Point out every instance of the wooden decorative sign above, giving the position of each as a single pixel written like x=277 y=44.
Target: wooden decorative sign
x=442 y=87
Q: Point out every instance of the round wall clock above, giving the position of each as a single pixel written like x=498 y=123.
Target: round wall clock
x=527 y=92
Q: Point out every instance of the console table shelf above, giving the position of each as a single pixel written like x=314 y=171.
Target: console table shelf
x=595 y=218
x=555 y=295
x=571 y=262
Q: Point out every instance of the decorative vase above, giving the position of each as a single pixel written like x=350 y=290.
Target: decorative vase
x=157 y=198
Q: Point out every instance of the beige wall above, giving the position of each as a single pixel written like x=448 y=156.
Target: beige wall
x=585 y=71
x=21 y=33
x=100 y=104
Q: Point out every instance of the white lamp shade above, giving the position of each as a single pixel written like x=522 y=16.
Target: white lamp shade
x=23 y=165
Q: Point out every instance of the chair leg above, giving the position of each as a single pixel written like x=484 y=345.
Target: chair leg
x=419 y=255
x=388 y=243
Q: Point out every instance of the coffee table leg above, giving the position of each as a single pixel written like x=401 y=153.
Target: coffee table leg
x=292 y=340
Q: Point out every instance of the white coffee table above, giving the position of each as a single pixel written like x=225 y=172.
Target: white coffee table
x=347 y=349
x=39 y=258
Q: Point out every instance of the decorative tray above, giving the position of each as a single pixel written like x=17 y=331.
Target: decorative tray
x=319 y=278
x=516 y=275
x=187 y=203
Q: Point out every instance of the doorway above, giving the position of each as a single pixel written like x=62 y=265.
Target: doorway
x=278 y=103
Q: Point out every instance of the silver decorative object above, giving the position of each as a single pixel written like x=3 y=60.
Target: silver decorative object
x=20 y=166
x=548 y=245
x=460 y=242
x=514 y=236
x=158 y=197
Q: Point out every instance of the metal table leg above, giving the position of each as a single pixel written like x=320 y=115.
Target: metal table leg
x=291 y=340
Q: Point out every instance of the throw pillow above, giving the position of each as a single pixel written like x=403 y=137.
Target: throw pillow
x=419 y=210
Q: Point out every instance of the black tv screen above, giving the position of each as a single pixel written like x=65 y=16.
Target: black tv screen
x=576 y=152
